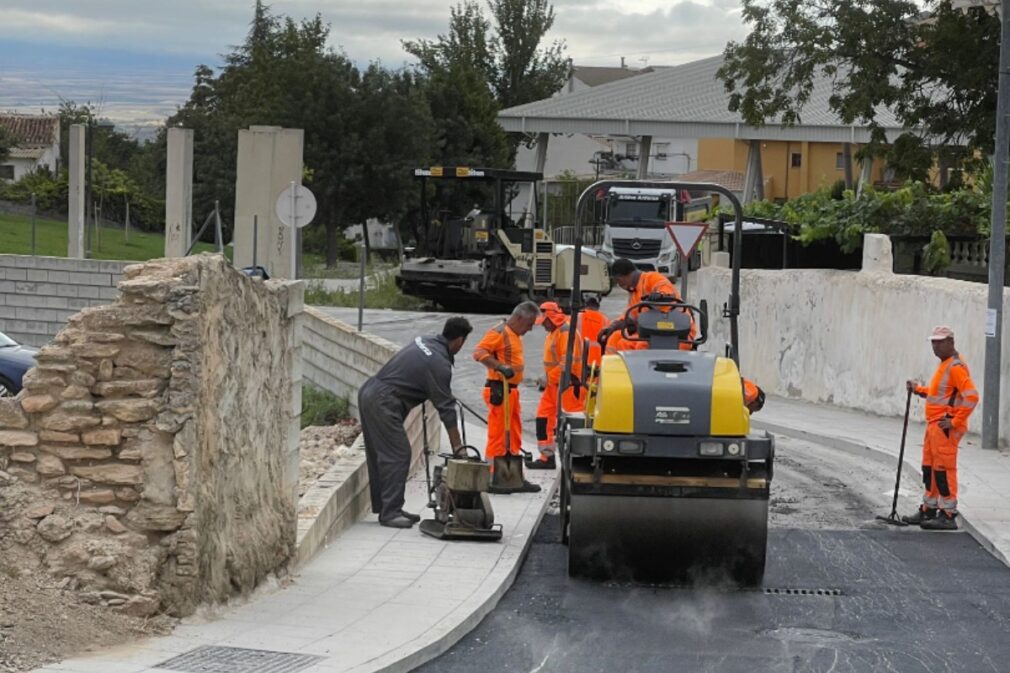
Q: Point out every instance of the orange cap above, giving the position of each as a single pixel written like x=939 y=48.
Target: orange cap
x=551 y=310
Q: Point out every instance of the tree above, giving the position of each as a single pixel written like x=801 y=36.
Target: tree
x=7 y=143
x=523 y=70
x=936 y=71
x=482 y=65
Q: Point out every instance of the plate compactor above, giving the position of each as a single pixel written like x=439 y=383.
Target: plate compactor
x=459 y=491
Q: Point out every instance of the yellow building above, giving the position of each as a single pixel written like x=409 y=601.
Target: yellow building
x=789 y=169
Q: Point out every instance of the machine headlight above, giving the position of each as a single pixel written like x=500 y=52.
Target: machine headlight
x=734 y=449
x=710 y=448
x=608 y=445
x=630 y=446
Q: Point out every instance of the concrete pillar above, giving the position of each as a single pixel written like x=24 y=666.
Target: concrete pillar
x=269 y=159
x=541 y=163
x=644 y=150
x=865 y=174
x=75 y=208
x=877 y=256
x=720 y=259
x=179 y=192
x=753 y=182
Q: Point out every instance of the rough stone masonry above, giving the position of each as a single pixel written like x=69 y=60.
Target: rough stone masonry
x=147 y=462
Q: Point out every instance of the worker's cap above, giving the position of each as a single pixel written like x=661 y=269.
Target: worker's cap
x=550 y=310
x=941 y=332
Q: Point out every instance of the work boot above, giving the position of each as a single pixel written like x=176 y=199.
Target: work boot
x=530 y=487
x=398 y=521
x=942 y=521
x=542 y=463
x=407 y=515
x=922 y=514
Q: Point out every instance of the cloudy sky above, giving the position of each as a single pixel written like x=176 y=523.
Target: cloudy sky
x=137 y=56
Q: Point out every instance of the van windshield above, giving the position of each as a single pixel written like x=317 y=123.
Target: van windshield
x=637 y=212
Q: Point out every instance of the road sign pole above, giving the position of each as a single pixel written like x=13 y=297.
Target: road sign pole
x=294 y=230
x=997 y=244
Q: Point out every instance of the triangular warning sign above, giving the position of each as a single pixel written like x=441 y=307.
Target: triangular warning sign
x=686 y=235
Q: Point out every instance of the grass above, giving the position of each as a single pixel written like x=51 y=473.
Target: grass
x=51 y=240
x=314 y=266
x=385 y=294
x=321 y=407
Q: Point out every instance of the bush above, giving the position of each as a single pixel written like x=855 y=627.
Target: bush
x=321 y=407
x=936 y=254
x=913 y=210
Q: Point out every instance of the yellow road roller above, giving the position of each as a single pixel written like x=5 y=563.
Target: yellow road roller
x=662 y=479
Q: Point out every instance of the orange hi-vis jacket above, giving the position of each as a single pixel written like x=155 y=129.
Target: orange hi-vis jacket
x=504 y=345
x=951 y=392
x=591 y=323
x=555 y=350
x=750 y=391
x=653 y=281
x=616 y=343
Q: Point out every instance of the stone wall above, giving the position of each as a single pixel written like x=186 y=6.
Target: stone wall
x=849 y=338
x=39 y=294
x=147 y=462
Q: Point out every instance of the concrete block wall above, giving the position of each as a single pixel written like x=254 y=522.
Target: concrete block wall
x=39 y=294
x=850 y=338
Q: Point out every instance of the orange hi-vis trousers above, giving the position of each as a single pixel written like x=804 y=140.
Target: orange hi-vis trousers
x=939 y=468
x=547 y=415
x=496 y=425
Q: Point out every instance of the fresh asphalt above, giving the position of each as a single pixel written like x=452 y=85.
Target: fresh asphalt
x=842 y=593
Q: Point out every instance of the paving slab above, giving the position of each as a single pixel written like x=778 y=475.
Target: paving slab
x=983 y=475
x=377 y=599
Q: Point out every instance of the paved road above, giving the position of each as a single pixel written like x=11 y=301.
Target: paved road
x=909 y=601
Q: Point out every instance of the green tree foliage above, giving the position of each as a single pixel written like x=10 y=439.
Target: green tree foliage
x=6 y=143
x=524 y=70
x=936 y=71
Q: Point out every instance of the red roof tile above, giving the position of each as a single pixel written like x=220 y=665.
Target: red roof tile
x=32 y=130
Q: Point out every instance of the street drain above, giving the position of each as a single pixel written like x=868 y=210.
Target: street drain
x=802 y=592
x=214 y=659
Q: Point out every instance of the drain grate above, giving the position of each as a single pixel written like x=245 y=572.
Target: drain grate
x=802 y=592
x=214 y=659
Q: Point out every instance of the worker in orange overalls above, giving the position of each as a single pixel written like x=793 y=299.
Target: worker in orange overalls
x=501 y=351
x=753 y=396
x=557 y=325
x=645 y=285
x=591 y=323
x=950 y=398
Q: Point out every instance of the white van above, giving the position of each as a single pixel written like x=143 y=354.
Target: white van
x=635 y=227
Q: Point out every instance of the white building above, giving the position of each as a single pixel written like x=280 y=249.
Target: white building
x=37 y=144
x=591 y=155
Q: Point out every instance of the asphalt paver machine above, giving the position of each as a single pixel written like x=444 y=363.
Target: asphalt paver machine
x=662 y=478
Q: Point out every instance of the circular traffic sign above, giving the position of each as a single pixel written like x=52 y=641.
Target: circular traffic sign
x=297 y=206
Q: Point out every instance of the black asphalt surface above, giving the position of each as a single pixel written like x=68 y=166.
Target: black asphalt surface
x=909 y=602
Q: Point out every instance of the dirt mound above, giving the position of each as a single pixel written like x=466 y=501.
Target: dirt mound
x=322 y=445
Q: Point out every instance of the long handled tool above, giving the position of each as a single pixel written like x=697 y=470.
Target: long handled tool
x=427 y=453
x=893 y=518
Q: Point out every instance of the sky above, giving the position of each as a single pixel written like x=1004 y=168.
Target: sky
x=137 y=57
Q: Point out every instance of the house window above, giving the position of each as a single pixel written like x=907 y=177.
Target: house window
x=662 y=150
x=631 y=150
x=839 y=161
x=796 y=160
x=7 y=172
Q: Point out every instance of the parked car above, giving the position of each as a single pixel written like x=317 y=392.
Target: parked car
x=15 y=360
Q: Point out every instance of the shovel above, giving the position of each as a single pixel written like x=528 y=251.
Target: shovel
x=893 y=518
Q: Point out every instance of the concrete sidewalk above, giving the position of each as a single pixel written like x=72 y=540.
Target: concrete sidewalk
x=983 y=476
x=378 y=599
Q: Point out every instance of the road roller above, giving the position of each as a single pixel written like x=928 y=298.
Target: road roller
x=663 y=480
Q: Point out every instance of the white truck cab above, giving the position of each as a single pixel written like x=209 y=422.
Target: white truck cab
x=635 y=227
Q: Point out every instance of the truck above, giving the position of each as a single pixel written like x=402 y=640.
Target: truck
x=488 y=260
x=634 y=220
